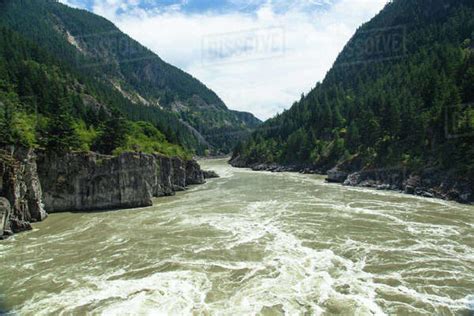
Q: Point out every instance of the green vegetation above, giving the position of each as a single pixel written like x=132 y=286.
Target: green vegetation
x=144 y=137
x=117 y=70
x=45 y=104
x=410 y=101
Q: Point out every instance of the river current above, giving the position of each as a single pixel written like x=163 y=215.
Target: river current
x=248 y=243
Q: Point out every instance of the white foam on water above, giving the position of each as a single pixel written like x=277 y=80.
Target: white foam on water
x=432 y=300
x=220 y=166
x=245 y=227
x=304 y=280
x=258 y=254
x=171 y=293
x=295 y=277
x=469 y=302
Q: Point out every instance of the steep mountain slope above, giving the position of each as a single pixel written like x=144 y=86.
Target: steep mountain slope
x=399 y=95
x=45 y=104
x=94 y=46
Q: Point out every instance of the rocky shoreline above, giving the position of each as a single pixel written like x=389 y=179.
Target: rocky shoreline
x=34 y=184
x=430 y=183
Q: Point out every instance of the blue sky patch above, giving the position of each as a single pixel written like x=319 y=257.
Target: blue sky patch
x=203 y=6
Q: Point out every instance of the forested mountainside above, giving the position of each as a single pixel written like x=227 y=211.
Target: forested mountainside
x=128 y=76
x=400 y=93
x=46 y=104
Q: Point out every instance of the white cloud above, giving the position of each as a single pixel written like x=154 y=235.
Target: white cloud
x=263 y=86
x=71 y=3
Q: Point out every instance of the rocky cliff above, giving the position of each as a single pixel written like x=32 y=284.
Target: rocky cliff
x=5 y=210
x=21 y=190
x=89 y=181
x=30 y=185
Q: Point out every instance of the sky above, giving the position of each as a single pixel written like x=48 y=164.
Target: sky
x=259 y=56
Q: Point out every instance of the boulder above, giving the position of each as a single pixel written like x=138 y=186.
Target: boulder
x=342 y=170
x=335 y=175
x=411 y=184
x=209 y=174
x=353 y=179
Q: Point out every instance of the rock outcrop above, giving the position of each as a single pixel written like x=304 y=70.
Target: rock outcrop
x=209 y=174
x=336 y=175
x=178 y=168
x=194 y=174
x=20 y=185
x=342 y=170
x=428 y=182
x=5 y=211
x=90 y=181
x=31 y=185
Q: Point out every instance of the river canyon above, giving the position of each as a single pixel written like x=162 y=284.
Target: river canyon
x=248 y=243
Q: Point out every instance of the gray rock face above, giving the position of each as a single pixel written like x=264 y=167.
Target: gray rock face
x=164 y=186
x=353 y=179
x=4 y=216
x=81 y=182
x=411 y=184
x=89 y=181
x=341 y=172
x=194 y=174
x=84 y=182
x=178 y=174
x=20 y=185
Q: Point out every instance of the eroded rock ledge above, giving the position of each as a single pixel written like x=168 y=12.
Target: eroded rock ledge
x=33 y=184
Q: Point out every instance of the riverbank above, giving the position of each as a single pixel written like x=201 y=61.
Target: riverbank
x=429 y=183
x=33 y=184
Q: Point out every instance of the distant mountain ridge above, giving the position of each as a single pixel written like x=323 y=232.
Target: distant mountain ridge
x=93 y=46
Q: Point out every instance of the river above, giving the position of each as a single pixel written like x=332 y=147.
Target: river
x=248 y=243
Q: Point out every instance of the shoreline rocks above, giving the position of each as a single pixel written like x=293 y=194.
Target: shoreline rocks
x=430 y=183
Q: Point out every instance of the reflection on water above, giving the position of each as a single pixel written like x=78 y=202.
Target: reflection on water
x=249 y=243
